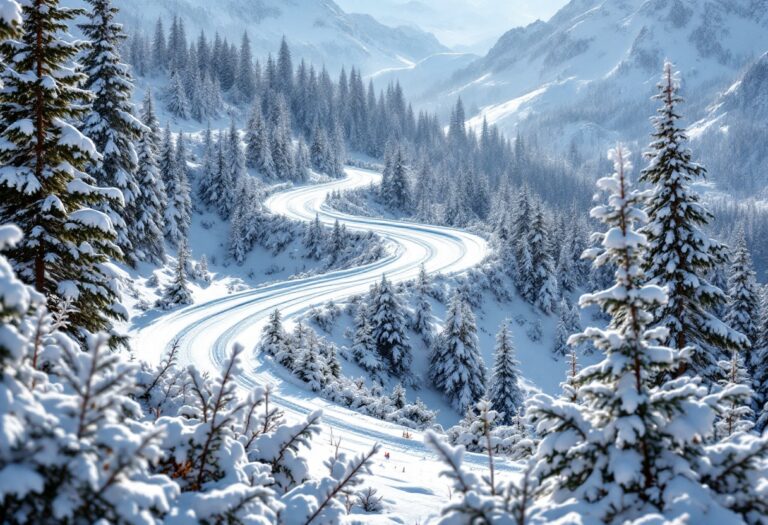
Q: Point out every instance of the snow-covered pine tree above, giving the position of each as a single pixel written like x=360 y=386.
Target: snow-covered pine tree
x=736 y=416
x=630 y=445
x=364 y=345
x=151 y=202
x=743 y=310
x=570 y=391
x=504 y=393
x=206 y=186
x=159 y=48
x=181 y=193
x=566 y=279
x=473 y=431
x=258 y=150
x=398 y=396
x=310 y=367
x=275 y=342
x=396 y=193
x=234 y=171
x=543 y=281
x=318 y=150
x=680 y=254
x=456 y=366
x=422 y=322
x=314 y=239
x=43 y=187
x=245 y=80
x=149 y=118
x=176 y=96
x=301 y=161
x=110 y=122
x=567 y=325
x=760 y=375
x=280 y=138
x=177 y=292
x=389 y=330
x=169 y=176
x=518 y=442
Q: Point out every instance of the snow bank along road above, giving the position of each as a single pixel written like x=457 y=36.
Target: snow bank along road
x=207 y=331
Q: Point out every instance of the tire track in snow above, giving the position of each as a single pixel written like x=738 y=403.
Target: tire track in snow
x=206 y=331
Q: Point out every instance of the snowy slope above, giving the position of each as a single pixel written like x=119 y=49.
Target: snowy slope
x=410 y=479
x=733 y=136
x=593 y=51
x=317 y=30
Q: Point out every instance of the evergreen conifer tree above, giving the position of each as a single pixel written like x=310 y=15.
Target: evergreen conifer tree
x=737 y=415
x=743 y=310
x=679 y=253
x=457 y=368
x=177 y=292
x=364 y=345
x=43 y=187
x=151 y=202
x=422 y=322
x=149 y=118
x=388 y=330
x=630 y=444
x=505 y=394
x=110 y=122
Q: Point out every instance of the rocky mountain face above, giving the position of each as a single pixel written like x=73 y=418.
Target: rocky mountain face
x=584 y=78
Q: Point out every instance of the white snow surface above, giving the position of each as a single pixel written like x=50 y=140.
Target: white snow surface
x=409 y=480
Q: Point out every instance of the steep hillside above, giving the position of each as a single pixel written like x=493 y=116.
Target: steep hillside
x=318 y=30
x=585 y=76
x=734 y=134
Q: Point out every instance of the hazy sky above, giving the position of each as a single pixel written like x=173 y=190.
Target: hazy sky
x=464 y=24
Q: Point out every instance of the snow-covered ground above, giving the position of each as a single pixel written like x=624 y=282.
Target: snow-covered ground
x=409 y=480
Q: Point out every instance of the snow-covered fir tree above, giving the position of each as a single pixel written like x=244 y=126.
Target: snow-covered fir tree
x=174 y=174
x=177 y=292
x=44 y=188
x=680 y=254
x=542 y=279
x=280 y=138
x=456 y=366
x=207 y=182
x=364 y=349
x=395 y=186
x=567 y=325
x=274 y=340
x=314 y=239
x=737 y=414
x=504 y=393
x=150 y=203
x=631 y=444
x=234 y=170
x=258 y=150
x=743 y=310
x=760 y=374
x=389 y=329
x=149 y=118
x=422 y=322
x=310 y=367
x=110 y=122
x=176 y=96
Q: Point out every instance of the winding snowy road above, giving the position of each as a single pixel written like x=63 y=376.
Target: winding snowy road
x=207 y=331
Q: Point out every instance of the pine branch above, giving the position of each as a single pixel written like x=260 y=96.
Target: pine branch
x=361 y=464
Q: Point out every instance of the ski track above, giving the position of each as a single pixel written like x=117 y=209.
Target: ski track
x=206 y=332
